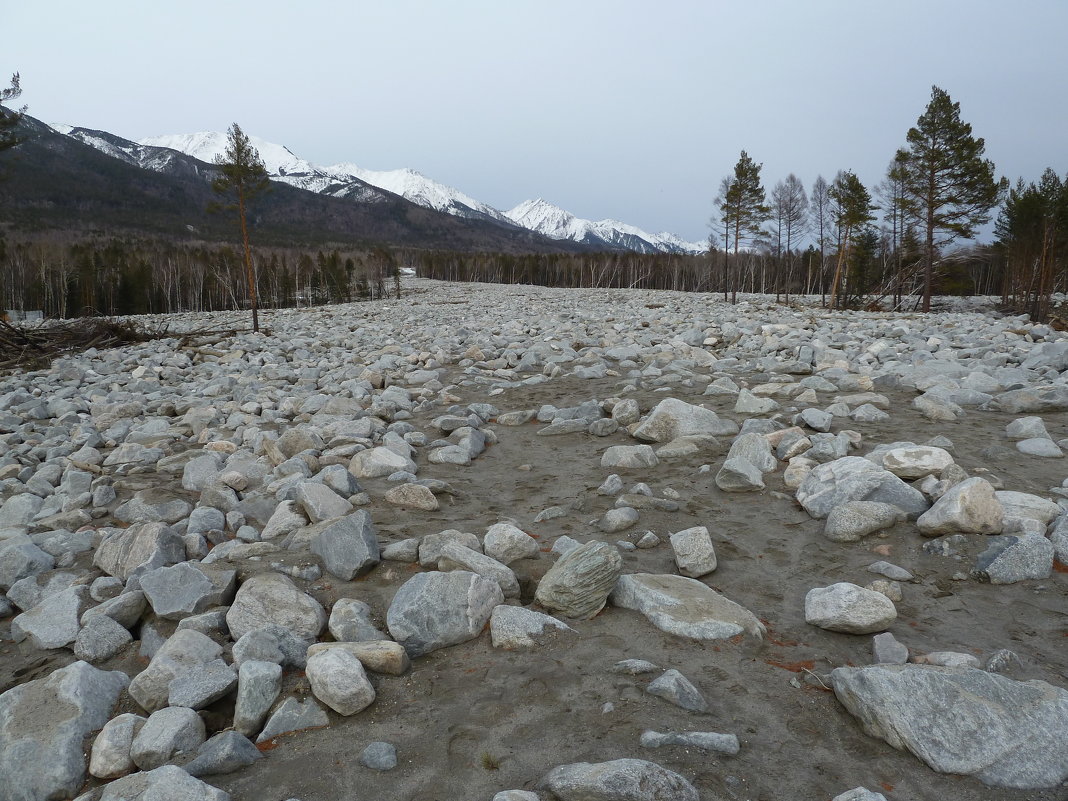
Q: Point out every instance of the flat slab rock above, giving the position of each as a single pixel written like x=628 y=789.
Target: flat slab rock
x=43 y=726
x=1006 y=733
x=618 y=780
x=684 y=607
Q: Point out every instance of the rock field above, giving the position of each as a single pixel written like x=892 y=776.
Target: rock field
x=522 y=544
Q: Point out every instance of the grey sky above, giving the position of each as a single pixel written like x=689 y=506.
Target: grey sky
x=630 y=110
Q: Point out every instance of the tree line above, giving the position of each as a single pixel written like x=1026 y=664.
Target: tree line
x=123 y=275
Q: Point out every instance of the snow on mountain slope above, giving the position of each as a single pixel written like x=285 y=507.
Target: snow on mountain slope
x=351 y=181
x=553 y=221
x=416 y=187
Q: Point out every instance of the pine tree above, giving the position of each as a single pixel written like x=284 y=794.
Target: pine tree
x=949 y=188
x=853 y=211
x=243 y=177
x=743 y=209
x=10 y=118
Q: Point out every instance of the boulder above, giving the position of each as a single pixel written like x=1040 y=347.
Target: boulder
x=350 y=621
x=739 y=475
x=167 y=783
x=1009 y=559
x=110 y=757
x=962 y=720
x=507 y=543
x=970 y=507
x=338 y=679
x=458 y=557
x=694 y=552
x=435 y=610
x=378 y=462
x=675 y=688
x=185 y=589
x=293 y=715
x=139 y=548
x=684 y=607
x=516 y=627
x=43 y=727
x=578 y=585
x=848 y=608
x=673 y=418
x=53 y=623
x=169 y=734
x=916 y=461
x=854 y=520
x=272 y=598
x=258 y=685
x=185 y=652
x=854 y=478
x=629 y=457
x=348 y=546
x=226 y=752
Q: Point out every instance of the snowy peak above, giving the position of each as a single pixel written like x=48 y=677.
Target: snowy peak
x=553 y=221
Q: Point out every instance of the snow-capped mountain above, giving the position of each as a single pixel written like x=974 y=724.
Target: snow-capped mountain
x=553 y=221
x=347 y=180
x=416 y=187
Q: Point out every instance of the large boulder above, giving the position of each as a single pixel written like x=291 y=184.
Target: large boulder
x=184 y=654
x=185 y=589
x=673 y=418
x=1010 y=559
x=618 y=780
x=577 y=586
x=53 y=623
x=167 y=783
x=272 y=598
x=1006 y=733
x=916 y=461
x=139 y=548
x=43 y=726
x=970 y=507
x=684 y=607
x=378 y=462
x=854 y=478
x=435 y=610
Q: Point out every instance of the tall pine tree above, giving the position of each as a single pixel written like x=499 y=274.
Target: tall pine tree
x=743 y=207
x=10 y=118
x=243 y=178
x=853 y=210
x=948 y=187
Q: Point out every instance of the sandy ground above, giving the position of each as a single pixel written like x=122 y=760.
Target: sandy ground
x=471 y=720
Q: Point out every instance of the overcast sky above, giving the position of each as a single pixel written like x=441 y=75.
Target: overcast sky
x=630 y=110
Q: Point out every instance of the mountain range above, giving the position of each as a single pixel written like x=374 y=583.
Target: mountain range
x=72 y=178
x=339 y=180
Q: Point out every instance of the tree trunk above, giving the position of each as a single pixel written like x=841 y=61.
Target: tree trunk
x=248 y=263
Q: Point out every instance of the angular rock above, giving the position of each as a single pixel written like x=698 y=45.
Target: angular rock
x=197 y=689
x=272 y=598
x=739 y=475
x=226 y=752
x=348 y=546
x=378 y=462
x=18 y=560
x=516 y=627
x=125 y=609
x=886 y=650
x=848 y=608
x=167 y=783
x=1040 y=446
x=629 y=457
x=154 y=505
x=185 y=652
x=1011 y=559
x=674 y=687
x=168 y=735
x=258 y=685
x=694 y=552
x=412 y=496
x=618 y=780
x=293 y=715
x=961 y=720
x=854 y=478
x=272 y=643
x=435 y=610
x=350 y=621
x=1027 y=506
x=578 y=585
x=139 y=548
x=378 y=656
x=684 y=607
x=456 y=556
x=43 y=726
x=970 y=507
x=319 y=502
x=431 y=545
x=507 y=543
x=100 y=639
x=673 y=418
x=185 y=589
x=53 y=623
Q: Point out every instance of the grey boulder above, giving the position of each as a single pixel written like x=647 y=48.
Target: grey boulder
x=854 y=478
x=617 y=780
x=435 y=610
x=348 y=546
x=848 y=608
x=578 y=585
x=962 y=720
x=272 y=598
x=684 y=607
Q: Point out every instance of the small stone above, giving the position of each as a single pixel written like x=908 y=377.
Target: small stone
x=516 y=627
x=379 y=756
x=674 y=687
x=412 y=496
x=507 y=543
x=293 y=715
x=886 y=650
x=629 y=457
x=701 y=740
x=226 y=752
x=618 y=519
x=618 y=780
x=891 y=571
x=854 y=520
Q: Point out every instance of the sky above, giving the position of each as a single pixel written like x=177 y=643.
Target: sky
x=627 y=110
